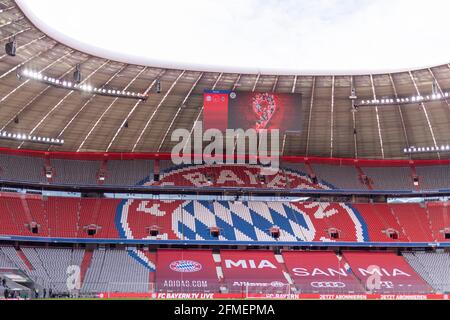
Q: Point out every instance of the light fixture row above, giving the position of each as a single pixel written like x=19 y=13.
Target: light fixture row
x=29 y=138
x=33 y=75
x=427 y=149
x=409 y=100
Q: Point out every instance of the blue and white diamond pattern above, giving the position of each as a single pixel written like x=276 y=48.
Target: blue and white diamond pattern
x=241 y=221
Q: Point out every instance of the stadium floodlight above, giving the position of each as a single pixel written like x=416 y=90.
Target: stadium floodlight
x=85 y=88
x=4 y=135
x=158 y=86
x=353 y=95
x=11 y=47
x=77 y=76
x=440 y=96
x=429 y=149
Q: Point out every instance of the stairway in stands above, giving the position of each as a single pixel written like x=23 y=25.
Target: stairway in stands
x=85 y=264
x=347 y=267
x=25 y=259
x=285 y=269
x=218 y=262
x=26 y=209
x=152 y=274
x=96 y=211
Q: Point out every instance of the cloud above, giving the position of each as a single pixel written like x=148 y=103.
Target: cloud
x=285 y=35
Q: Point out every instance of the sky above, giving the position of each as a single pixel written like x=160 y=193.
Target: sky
x=254 y=36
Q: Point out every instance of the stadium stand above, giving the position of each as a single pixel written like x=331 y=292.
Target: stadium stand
x=5 y=262
x=385 y=272
x=434 y=177
x=128 y=172
x=50 y=265
x=15 y=258
x=389 y=178
x=340 y=177
x=62 y=217
x=186 y=271
x=321 y=272
x=88 y=187
x=380 y=176
x=22 y=168
x=75 y=171
x=433 y=267
x=382 y=224
x=235 y=271
x=115 y=271
x=413 y=218
x=110 y=270
x=438 y=212
x=253 y=271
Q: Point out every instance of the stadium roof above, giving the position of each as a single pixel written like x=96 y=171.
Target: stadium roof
x=97 y=123
x=252 y=36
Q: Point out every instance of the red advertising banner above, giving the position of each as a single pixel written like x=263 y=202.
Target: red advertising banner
x=320 y=272
x=186 y=270
x=259 y=266
x=385 y=272
x=220 y=296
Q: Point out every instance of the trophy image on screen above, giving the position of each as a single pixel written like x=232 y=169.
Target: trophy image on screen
x=264 y=105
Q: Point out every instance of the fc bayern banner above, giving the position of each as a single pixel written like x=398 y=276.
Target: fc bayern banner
x=186 y=271
x=252 y=110
x=253 y=269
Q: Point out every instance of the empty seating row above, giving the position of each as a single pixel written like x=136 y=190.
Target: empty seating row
x=135 y=219
x=75 y=172
x=140 y=171
x=235 y=271
x=433 y=267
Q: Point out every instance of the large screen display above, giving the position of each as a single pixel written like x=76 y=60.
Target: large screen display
x=252 y=110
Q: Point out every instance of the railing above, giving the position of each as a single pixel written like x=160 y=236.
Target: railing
x=143 y=290
x=211 y=190
x=227 y=243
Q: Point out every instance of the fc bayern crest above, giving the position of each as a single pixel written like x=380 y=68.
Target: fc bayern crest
x=191 y=220
x=185 y=266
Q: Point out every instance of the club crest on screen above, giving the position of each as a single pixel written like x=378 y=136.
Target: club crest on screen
x=185 y=266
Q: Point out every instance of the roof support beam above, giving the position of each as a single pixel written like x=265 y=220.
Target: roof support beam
x=6 y=9
x=80 y=147
x=332 y=116
x=131 y=112
x=355 y=131
x=256 y=82
x=400 y=111
x=156 y=109
x=311 y=105
x=274 y=87
x=378 y=117
x=235 y=85
x=56 y=106
x=38 y=95
x=11 y=22
x=90 y=99
x=294 y=85
x=426 y=113
x=28 y=80
x=25 y=45
x=182 y=105
x=26 y=61
x=16 y=34
x=439 y=87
